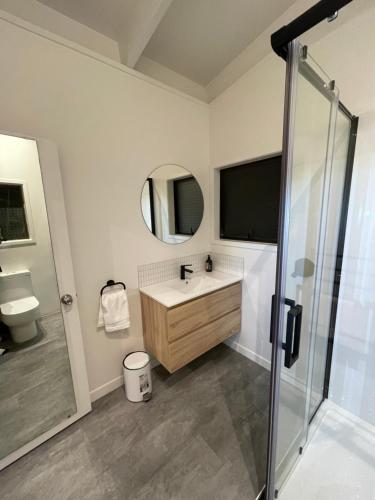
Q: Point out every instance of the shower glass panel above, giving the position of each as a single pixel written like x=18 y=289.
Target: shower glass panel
x=330 y=274
x=313 y=105
x=36 y=388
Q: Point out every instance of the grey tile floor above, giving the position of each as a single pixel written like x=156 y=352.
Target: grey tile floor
x=202 y=436
x=36 y=388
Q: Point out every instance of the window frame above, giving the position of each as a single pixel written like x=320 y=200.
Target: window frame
x=28 y=215
x=216 y=204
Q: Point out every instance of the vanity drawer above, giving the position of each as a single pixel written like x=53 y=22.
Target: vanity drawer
x=185 y=349
x=199 y=312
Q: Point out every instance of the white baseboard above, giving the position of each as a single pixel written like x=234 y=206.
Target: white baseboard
x=110 y=386
x=236 y=346
x=253 y=356
x=248 y=353
x=106 y=388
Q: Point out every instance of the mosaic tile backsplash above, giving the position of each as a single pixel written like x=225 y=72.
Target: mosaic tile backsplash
x=230 y=264
x=157 y=272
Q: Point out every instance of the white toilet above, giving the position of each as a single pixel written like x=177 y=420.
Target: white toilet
x=18 y=306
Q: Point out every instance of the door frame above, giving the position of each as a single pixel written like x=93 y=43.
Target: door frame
x=58 y=227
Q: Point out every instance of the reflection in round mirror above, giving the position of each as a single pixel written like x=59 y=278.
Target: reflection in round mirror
x=172 y=204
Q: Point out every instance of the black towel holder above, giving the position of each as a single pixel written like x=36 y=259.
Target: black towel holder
x=112 y=283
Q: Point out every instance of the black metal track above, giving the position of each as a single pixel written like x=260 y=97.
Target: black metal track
x=313 y=16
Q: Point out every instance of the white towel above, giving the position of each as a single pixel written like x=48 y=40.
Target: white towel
x=114 y=309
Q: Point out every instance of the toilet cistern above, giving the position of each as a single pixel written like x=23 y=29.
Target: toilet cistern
x=19 y=307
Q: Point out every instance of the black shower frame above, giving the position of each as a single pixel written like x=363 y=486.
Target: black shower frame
x=325 y=9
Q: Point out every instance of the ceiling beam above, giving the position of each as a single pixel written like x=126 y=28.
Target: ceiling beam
x=145 y=19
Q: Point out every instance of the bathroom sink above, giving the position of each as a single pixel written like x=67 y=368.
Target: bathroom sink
x=174 y=292
x=197 y=283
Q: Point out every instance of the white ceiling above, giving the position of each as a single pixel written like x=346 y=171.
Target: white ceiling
x=195 y=38
x=108 y=17
x=198 y=38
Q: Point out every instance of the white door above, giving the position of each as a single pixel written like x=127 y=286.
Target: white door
x=43 y=379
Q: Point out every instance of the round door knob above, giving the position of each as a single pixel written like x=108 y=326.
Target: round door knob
x=67 y=299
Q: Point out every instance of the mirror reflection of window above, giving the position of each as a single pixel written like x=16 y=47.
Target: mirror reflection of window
x=172 y=204
x=13 y=221
x=188 y=205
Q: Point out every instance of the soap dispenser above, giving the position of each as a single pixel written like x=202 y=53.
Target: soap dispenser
x=209 y=264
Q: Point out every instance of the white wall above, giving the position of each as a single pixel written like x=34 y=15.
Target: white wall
x=112 y=128
x=19 y=161
x=246 y=123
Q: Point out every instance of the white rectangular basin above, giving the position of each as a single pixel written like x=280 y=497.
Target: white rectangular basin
x=174 y=292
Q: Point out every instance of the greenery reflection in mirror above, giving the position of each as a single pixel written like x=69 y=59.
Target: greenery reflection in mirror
x=172 y=204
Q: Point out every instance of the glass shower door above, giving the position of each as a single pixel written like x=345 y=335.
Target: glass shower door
x=310 y=118
x=326 y=304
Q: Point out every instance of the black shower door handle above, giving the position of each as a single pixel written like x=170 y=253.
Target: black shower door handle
x=293 y=331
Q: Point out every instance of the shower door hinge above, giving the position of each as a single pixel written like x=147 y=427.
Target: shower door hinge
x=300 y=450
x=276 y=493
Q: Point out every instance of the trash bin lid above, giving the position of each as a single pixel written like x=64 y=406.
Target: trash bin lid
x=136 y=360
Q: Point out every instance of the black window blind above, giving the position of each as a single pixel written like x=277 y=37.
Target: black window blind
x=249 y=201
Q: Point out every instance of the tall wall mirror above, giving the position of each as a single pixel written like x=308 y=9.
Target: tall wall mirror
x=37 y=391
x=172 y=204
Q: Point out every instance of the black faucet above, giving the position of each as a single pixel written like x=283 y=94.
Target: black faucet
x=183 y=270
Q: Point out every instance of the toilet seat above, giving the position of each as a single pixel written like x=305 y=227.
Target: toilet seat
x=19 y=306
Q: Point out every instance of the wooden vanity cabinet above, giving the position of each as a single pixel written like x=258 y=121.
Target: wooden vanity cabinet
x=177 y=335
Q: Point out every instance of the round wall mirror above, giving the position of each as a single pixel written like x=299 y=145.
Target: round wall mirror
x=172 y=204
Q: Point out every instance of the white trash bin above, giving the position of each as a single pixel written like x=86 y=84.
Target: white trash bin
x=137 y=376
